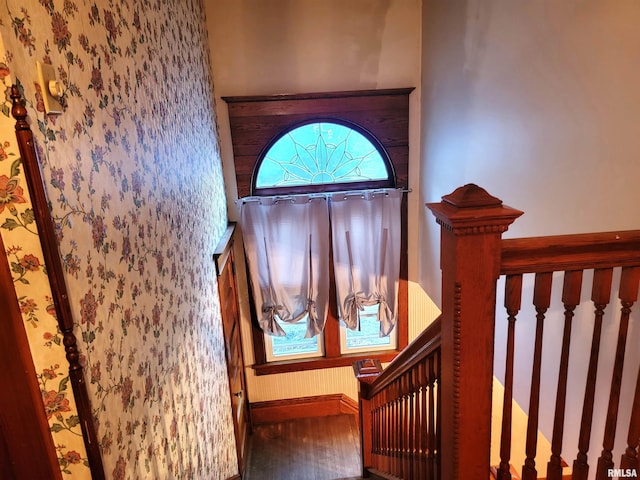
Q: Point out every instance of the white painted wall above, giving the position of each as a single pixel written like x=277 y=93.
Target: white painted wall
x=538 y=102
x=261 y=47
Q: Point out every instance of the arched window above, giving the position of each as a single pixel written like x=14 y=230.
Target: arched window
x=325 y=155
x=289 y=144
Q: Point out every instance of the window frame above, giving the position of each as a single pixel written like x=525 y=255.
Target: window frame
x=325 y=187
x=256 y=122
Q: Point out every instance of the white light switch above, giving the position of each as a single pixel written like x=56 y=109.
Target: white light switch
x=50 y=87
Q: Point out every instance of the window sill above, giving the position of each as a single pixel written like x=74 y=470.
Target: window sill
x=321 y=363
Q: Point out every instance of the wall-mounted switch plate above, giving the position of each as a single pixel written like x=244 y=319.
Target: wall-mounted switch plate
x=47 y=79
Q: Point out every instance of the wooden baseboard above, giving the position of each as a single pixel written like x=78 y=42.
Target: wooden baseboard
x=304 y=407
x=235 y=477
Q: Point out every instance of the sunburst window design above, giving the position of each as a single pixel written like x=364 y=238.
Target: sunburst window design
x=321 y=153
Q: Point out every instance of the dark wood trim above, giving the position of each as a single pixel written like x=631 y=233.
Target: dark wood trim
x=318 y=95
x=255 y=121
x=24 y=430
x=224 y=260
x=286 y=366
x=570 y=252
x=55 y=272
x=384 y=114
x=304 y=407
x=235 y=477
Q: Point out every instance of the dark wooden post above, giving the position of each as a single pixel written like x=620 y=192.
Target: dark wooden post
x=472 y=224
x=366 y=372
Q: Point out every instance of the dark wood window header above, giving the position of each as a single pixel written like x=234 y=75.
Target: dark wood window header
x=256 y=120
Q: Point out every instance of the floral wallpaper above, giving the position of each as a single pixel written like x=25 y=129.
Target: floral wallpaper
x=133 y=175
x=23 y=251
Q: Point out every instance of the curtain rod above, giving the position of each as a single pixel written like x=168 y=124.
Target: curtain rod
x=324 y=195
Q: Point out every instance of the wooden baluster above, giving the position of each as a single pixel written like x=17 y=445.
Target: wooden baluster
x=390 y=437
x=412 y=422
x=404 y=430
x=390 y=420
x=375 y=414
x=512 y=302
x=399 y=427
x=630 y=456
x=600 y=296
x=384 y=450
x=377 y=443
x=379 y=425
x=437 y=452
x=419 y=424
x=381 y=447
x=570 y=298
x=385 y=438
x=396 y=421
x=433 y=441
x=382 y=408
x=542 y=301
x=628 y=294
x=407 y=426
x=424 y=431
x=424 y=416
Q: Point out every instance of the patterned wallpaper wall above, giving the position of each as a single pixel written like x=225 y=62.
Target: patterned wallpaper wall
x=132 y=171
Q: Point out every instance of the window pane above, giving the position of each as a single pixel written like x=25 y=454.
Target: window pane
x=368 y=337
x=293 y=344
x=321 y=153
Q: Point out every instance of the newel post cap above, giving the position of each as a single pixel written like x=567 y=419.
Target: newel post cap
x=470 y=209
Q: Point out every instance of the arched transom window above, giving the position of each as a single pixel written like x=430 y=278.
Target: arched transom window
x=335 y=155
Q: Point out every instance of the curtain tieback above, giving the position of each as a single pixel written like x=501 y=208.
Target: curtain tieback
x=353 y=305
x=385 y=316
x=314 y=327
x=268 y=321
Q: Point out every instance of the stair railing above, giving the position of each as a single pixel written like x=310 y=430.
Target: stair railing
x=453 y=359
x=428 y=414
x=567 y=257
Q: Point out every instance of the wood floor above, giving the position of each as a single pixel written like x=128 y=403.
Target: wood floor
x=322 y=448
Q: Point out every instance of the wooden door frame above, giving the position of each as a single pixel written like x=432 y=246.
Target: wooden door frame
x=23 y=420
x=223 y=257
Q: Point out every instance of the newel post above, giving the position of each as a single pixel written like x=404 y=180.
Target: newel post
x=472 y=222
x=366 y=372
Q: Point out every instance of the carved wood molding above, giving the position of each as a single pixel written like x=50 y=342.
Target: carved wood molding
x=46 y=232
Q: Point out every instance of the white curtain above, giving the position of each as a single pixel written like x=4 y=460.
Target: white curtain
x=366 y=255
x=287 y=248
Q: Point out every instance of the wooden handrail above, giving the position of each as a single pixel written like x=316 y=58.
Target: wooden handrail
x=419 y=349
x=570 y=252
